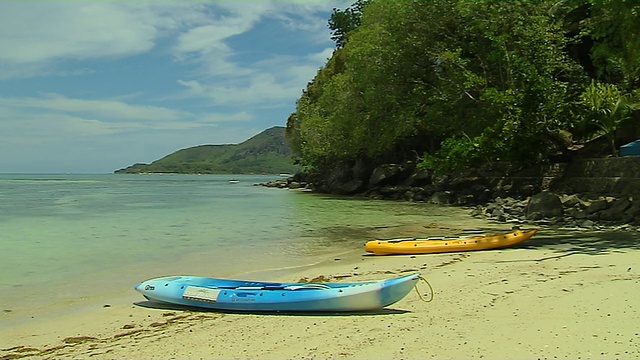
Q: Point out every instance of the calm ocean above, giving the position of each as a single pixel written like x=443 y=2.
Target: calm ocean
x=66 y=239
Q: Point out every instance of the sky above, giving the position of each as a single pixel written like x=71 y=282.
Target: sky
x=94 y=86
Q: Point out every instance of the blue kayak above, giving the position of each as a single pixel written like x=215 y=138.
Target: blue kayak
x=256 y=296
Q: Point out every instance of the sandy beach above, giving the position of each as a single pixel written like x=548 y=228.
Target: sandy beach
x=574 y=295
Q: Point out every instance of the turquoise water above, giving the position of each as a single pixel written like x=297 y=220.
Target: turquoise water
x=70 y=238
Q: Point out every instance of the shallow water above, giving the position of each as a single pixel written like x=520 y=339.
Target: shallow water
x=69 y=238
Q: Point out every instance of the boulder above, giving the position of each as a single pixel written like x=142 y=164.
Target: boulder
x=386 y=174
x=347 y=188
x=597 y=206
x=501 y=191
x=616 y=210
x=546 y=204
x=441 y=198
x=586 y=223
x=419 y=177
x=295 y=185
x=572 y=200
x=576 y=213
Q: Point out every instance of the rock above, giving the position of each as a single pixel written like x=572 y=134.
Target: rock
x=529 y=190
x=282 y=183
x=496 y=213
x=616 y=210
x=576 y=213
x=409 y=195
x=535 y=216
x=441 y=182
x=633 y=212
x=295 y=185
x=474 y=194
x=573 y=201
x=477 y=211
x=394 y=192
x=596 y=206
x=419 y=177
x=593 y=217
x=387 y=173
x=546 y=204
x=493 y=206
x=501 y=192
x=348 y=188
x=468 y=199
x=587 y=224
x=441 y=198
x=419 y=195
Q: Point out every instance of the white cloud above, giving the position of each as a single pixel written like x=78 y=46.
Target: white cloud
x=108 y=109
x=270 y=83
x=33 y=35
x=213 y=118
x=261 y=89
x=56 y=116
x=41 y=31
x=266 y=81
x=37 y=129
x=37 y=35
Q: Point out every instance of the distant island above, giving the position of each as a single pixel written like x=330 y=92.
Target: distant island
x=265 y=153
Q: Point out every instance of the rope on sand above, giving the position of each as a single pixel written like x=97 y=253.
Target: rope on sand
x=430 y=290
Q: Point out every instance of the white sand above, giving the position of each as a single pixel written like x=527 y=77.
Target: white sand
x=546 y=300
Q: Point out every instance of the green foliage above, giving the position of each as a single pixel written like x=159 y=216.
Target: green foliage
x=342 y=22
x=455 y=153
x=608 y=107
x=609 y=32
x=456 y=83
x=615 y=28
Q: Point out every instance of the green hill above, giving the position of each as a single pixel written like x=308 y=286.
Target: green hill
x=265 y=153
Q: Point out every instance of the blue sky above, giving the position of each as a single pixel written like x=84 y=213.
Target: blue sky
x=94 y=86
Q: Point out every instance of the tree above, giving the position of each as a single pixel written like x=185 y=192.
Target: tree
x=342 y=22
x=609 y=107
x=462 y=82
x=615 y=27
x=608 y=31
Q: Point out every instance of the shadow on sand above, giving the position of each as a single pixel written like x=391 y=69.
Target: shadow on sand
x=588 y=242
x=163 y=306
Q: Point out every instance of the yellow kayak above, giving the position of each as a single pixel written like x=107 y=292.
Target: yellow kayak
x=447 y=244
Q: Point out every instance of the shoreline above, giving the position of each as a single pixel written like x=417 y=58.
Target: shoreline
x=557 y=295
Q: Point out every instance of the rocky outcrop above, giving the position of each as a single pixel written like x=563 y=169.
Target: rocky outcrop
x=585 y=192
x=577 y=212
x=390 y=174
